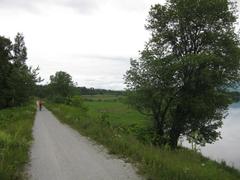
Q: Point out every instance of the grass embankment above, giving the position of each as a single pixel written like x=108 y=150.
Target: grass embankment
x=109 y=122
x=15 y=140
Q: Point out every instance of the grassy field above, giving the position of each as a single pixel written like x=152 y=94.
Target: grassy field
x=109 y=122
x=117 y=113
x=15 y=139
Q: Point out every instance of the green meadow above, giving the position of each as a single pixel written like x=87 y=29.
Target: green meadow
x=15 y=140
x=119 y=114
x=112 y=123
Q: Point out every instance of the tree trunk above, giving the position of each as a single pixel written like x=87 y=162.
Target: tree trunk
x=158 y=124
x=174 y=136
x=177 y=127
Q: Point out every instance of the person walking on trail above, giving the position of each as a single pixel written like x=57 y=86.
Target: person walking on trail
x=40 y=105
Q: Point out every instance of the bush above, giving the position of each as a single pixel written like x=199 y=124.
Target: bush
x=76 y=101
x=57 y=99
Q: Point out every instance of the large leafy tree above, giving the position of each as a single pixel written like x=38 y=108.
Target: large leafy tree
x=23 y=78
x=17 y=80
x=187 y=67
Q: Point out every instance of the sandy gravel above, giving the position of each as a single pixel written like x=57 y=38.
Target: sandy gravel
x=60 y=153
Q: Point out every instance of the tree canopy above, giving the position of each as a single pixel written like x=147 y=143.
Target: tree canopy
x=182 y=76
x=17 y=80
x=61 y=86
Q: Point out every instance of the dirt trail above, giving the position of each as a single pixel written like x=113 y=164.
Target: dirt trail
x=60 y=153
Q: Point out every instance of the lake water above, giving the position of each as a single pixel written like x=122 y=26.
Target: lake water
x=227 y=148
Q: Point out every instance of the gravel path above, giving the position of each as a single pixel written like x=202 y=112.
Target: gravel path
x=60 y=153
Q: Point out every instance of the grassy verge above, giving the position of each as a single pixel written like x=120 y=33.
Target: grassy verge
x=153 y=162
x=15 y=139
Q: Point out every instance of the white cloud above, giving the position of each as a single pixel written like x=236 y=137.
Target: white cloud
x=82 y=5
x=92 y=40
x=95 y=45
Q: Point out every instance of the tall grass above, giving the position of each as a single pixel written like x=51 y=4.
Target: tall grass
x=152 y=161
x=15 y=139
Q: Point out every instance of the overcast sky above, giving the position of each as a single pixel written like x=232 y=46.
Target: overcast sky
x=91 y=40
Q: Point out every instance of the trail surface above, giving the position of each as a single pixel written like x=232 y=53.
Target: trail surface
x=60 y=153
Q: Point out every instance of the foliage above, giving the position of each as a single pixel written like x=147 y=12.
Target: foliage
x=235 y=95
x=17 y=80
x=77 y=101
x=60 y=87
x=182 y=77
x=41 y=91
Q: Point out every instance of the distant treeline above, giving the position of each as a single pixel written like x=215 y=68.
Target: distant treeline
x=44 y=91
x=93 y=91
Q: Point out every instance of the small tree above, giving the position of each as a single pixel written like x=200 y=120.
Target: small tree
x=61 y=85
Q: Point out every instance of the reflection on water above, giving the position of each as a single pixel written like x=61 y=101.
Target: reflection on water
x=227 y=148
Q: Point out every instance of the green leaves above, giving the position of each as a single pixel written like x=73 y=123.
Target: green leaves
x=17 y=80
x=19 y=50
x=61 y=86
x=183 y=74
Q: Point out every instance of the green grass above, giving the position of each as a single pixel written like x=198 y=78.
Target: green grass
x=15 y=140
x=117 y=113
x=153 y=162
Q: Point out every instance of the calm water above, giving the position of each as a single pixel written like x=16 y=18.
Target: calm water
x=227 y=148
